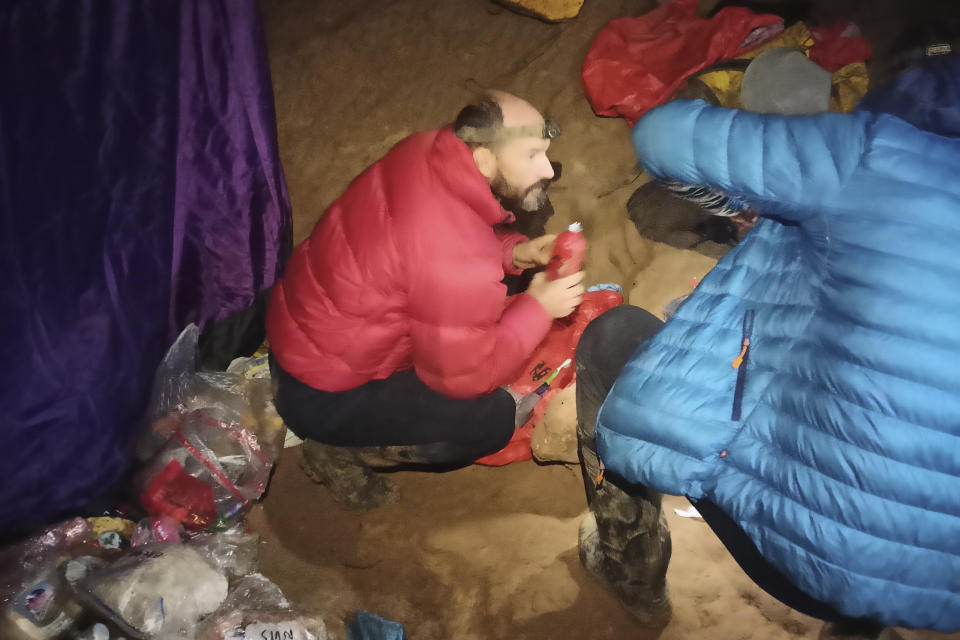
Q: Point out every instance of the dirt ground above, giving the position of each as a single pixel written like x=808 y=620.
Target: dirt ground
x=478 y=552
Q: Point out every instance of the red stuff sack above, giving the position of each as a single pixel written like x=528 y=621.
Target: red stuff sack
x=560 y=344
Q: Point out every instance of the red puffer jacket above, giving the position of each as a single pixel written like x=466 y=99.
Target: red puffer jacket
x=402 y=271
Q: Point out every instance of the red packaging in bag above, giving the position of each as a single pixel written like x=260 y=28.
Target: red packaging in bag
x=175 y=493
x=568 y=252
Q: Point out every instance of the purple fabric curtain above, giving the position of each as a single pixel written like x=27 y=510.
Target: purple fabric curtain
x=226 y=163
x=140 y=190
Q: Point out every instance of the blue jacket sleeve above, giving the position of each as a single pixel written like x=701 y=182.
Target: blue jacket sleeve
x=781 y=165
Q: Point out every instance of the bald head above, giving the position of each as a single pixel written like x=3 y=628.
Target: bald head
x=499 y=116
x=509 y=141
x=516 y=111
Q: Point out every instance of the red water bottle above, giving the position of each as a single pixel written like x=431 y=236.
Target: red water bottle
x=568 y=253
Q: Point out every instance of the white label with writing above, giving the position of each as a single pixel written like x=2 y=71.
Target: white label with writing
x=275 y=631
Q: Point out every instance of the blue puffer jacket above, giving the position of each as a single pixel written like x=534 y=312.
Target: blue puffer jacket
x=836 y=444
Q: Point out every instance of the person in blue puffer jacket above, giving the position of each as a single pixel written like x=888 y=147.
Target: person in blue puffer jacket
x=806 y=397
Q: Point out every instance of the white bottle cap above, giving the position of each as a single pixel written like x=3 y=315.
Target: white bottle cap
x=576 y=227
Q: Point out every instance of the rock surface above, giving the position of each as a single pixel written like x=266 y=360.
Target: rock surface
x=555 y=438
x=549 y=10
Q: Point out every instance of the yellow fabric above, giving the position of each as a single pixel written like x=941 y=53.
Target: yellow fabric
x=850 y=83
x=121 y=525
x=848 y=86
x=725 y=85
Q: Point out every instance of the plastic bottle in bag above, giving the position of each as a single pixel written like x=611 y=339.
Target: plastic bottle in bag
x=43 y=610
x=569 y=250
x=96 y=632
x=37 y=603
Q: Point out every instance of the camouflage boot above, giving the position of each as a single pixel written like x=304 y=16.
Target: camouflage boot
x=351 y=481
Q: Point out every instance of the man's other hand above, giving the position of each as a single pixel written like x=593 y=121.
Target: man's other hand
x=533 y=253
x=558 y=297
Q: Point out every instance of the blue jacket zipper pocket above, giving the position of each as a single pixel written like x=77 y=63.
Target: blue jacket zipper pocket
x=740 y=364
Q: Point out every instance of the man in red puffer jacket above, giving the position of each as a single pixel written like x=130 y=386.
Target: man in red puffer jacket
x=391 y=334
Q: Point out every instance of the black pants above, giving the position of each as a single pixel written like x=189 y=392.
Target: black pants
x=633 y=534
x=398 y=411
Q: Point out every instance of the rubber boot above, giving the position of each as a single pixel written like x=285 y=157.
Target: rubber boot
x=624 y=541
x=434 y=454
x=352 y=482
x=629 y=555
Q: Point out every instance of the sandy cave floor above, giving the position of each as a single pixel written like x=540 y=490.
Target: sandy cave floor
x=478 y=552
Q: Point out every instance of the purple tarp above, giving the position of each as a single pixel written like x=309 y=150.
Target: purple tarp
x=140 y=190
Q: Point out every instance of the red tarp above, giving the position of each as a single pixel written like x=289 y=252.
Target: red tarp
x=838 y=45
x=637 y=63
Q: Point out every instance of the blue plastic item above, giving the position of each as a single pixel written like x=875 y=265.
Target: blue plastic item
x=369 y=626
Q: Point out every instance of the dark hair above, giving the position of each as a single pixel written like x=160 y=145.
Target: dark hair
x=486 y=114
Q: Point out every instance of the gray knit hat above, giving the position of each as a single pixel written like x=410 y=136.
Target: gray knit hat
x=787 y=82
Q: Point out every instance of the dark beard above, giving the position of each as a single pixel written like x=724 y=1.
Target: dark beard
x=514 y=199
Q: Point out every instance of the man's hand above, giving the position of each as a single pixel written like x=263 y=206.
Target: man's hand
x=560 y=297
x=533 y=253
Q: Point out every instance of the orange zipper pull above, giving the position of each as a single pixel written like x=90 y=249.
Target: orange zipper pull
x=743 y=353
x=599 y=479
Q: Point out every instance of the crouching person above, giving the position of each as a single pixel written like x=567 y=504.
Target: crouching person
x=390 y=332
